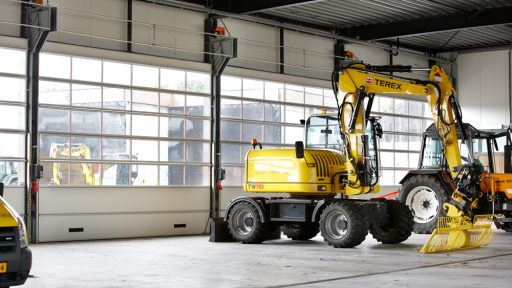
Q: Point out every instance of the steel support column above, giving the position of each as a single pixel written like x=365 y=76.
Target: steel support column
x=43 y=20
x=222 y=49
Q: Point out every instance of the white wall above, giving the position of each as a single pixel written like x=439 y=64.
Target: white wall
x=483 y=88
x=10 y=12
x=92 y=23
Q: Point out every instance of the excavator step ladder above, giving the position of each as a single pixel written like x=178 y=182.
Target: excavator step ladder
x=455 y=233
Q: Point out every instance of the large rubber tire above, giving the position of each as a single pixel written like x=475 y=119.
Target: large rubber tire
x=245 y=225
x=424 y=195
x=505 y=226
x=300 y=231
x=399 y=224
x=343 y=224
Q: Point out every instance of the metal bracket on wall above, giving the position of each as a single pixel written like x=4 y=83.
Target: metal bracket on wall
x=41 y=20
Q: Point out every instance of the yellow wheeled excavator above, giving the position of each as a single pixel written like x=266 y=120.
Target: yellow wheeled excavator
x=320 y=179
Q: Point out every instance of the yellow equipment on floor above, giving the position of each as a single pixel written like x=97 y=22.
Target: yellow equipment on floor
x=320 y=178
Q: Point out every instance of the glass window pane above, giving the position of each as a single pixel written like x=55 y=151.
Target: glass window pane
x=401 y=160
x=230 y=108
x=54 y=93
x=172 y=151
x=426 y=110
x=233 y=176
x=413 y=160
x=86 y=69
x=231 y=86
x=143 y=125
x=401 y=106
x=83 y=174
x=387 y=141
x=55 y=174
x=172 y=127
x=198 y=82
x=231 y=153
x=197 y=129
x=172 y=79
x=230 y=131
x=253 y=110
x=116 y=123
x=330 y=101
x=274 y=91
x=12 y=173
x=197 y=152
x=414 y=143
x=13 y=61
x=386 y=159
x=85 y=122
x=55 y=120
x=386 y=105
x=198 y=105
x=172 y=103
x=49 y=146
x=116 y=73
x=12 y=117
x=13 y=145
x=144 y=76
x=145 y=150
x=399 y=175
x=172 y=175
x=116 y=98
x=314 y=96
x=294 y=94
x=115 y=149
x=86 y=95
x=401 y=124
x=197 y=176
x=58 y=66
x=387 y=178
x=415 y=126
x=274 y=112
x=144 y=101
x=401 y=142
x=415 y=108
x=273 y=134
x=115 y=174
x=294 y=114
x=250 y=131
x=85 y=148
x=147 y=175
x=293 y=134
x=253 y=88
x=13 y=89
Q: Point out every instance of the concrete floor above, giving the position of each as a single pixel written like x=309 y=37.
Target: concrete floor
x=192 y=261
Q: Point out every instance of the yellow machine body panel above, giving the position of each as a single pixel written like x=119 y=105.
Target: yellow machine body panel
x=8 y=217
x=319 y=173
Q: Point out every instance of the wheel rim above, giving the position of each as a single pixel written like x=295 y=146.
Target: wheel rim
x=244 y=222
x=336 y=225
x=423 y=203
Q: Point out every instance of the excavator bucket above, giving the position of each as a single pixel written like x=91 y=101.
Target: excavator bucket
x=454 y=233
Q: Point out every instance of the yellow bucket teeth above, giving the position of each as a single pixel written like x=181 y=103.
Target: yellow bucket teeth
x=454 y=233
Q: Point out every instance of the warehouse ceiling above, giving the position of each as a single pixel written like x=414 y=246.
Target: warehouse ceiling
x=431 y=26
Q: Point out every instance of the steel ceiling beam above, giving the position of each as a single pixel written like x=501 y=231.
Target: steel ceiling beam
x=246 y=7
x=488 y=17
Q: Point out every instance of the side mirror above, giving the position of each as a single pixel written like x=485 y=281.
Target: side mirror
x=299 y=149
